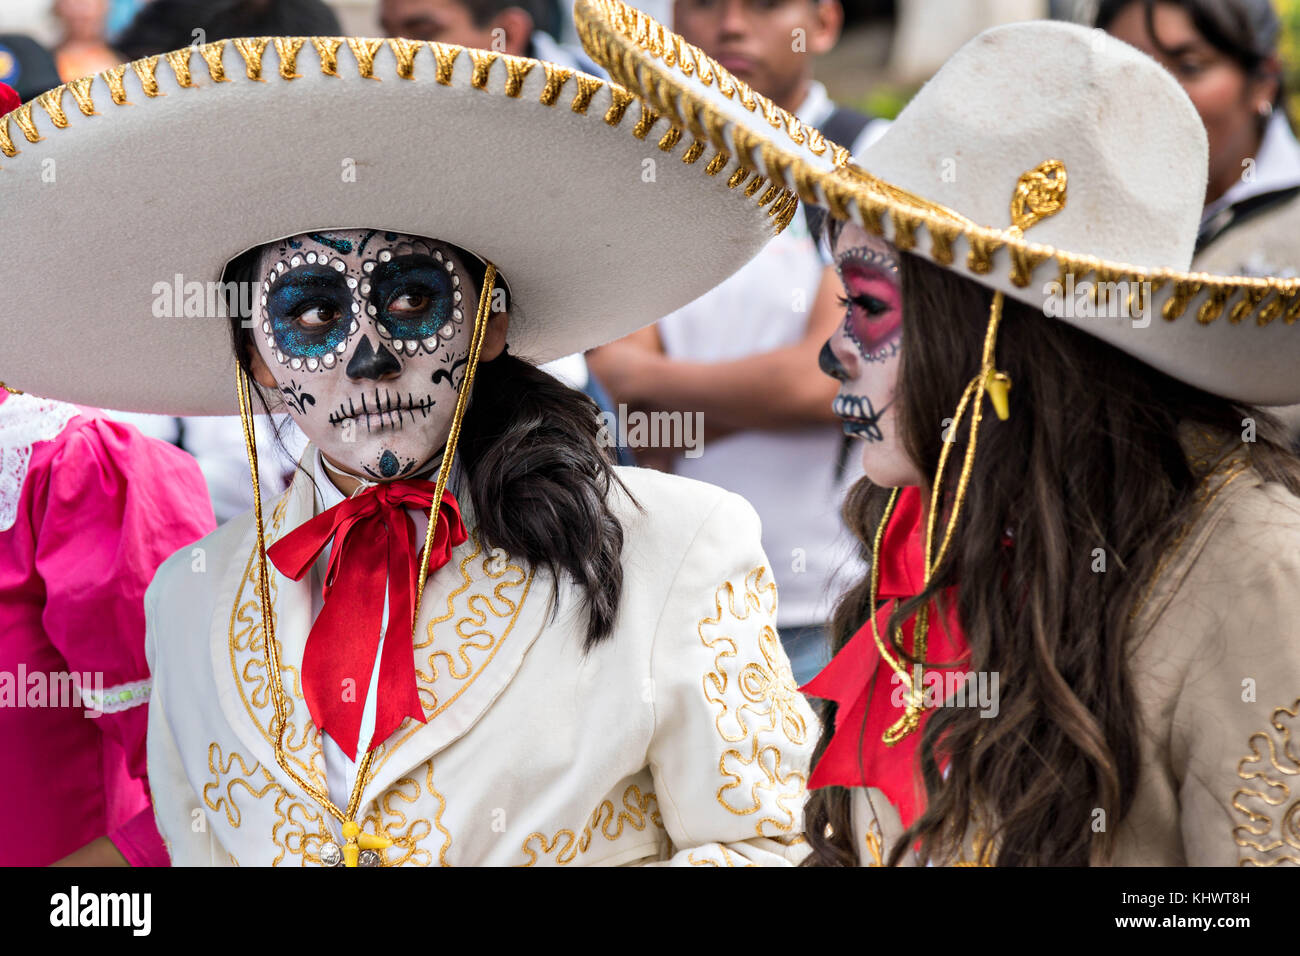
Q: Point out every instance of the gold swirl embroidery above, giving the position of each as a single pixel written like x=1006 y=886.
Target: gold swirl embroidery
x=1264 y=832
x=248 y=665
x=407 y=835
x=638 y=810
x=225 y=801
x=875 y=843
x=771 y=700
x=474 y=631
x=299 y=829
x=728 y=859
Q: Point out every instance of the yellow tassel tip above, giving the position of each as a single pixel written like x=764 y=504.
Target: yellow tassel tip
x=998 y=385
x=358 y=841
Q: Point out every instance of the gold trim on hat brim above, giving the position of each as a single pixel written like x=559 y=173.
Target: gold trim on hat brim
x=662 y=68
x=779 y=202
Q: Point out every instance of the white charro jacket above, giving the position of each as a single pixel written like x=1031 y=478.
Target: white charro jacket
x=681 y=739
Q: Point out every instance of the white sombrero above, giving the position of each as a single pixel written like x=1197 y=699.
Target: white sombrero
x=1047 y=161
x=120 y=188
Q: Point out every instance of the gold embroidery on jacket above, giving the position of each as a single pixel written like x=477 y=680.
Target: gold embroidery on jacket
x=248 y=665
x=728 y=859
x=491 y=591
x=225 y=801
x=408 y=834
x=300 y=829
x=771 y=702
x=1266 y=832
x=638 y=810
x=875 y=843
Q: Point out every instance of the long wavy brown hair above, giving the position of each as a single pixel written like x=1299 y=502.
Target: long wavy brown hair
x=1090 y=458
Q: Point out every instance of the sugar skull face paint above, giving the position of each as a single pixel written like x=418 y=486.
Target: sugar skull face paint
x=863 y=354
x=367 y=335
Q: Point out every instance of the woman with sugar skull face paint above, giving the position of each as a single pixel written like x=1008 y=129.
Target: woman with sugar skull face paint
x=1084 y=530
x=462 y=636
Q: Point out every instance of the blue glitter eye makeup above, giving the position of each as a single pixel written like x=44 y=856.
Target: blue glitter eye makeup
x=413 y=296
x=310 y=311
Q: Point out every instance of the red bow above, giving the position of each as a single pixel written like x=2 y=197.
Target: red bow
x=374 y=544
x=863 y=683
x=9 y=99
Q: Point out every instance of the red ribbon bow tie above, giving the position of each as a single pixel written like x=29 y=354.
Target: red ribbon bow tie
x=862 y=683
x=374 y=548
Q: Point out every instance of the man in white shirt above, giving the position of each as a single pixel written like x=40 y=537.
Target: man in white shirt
x=745 y=354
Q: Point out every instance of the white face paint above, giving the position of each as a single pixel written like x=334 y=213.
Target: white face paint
x=367 y=335
x=863 y=354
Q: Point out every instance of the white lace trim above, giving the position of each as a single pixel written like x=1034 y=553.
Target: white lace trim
x=24 y=421
x=112 y=700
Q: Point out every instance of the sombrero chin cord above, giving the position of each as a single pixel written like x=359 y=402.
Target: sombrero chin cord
x=355 y=839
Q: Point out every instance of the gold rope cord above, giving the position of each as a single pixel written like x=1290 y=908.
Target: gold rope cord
x=270 y=645
x=1039 y=193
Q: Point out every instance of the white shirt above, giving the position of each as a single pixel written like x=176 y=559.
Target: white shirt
x=788 y=476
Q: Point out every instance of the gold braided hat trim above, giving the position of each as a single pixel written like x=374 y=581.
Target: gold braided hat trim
x=662 y=68
x=20 y=125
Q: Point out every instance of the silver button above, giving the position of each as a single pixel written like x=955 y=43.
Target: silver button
x=368 y=858
x=331 y=855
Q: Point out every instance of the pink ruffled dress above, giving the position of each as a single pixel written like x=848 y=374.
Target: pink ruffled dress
x=88 y=510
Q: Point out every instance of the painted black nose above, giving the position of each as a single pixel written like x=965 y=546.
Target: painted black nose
x=368 y=363
x=830 y=364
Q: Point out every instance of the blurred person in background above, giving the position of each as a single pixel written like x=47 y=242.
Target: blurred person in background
x=218 y=442
x=516 y=27
x=83 y=49
x=745 y=354
x=165 y=25
x=1224 y=53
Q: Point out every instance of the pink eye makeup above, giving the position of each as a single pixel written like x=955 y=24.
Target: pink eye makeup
x=873 y=307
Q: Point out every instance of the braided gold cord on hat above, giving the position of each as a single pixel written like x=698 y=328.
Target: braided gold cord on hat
x=622 y=38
